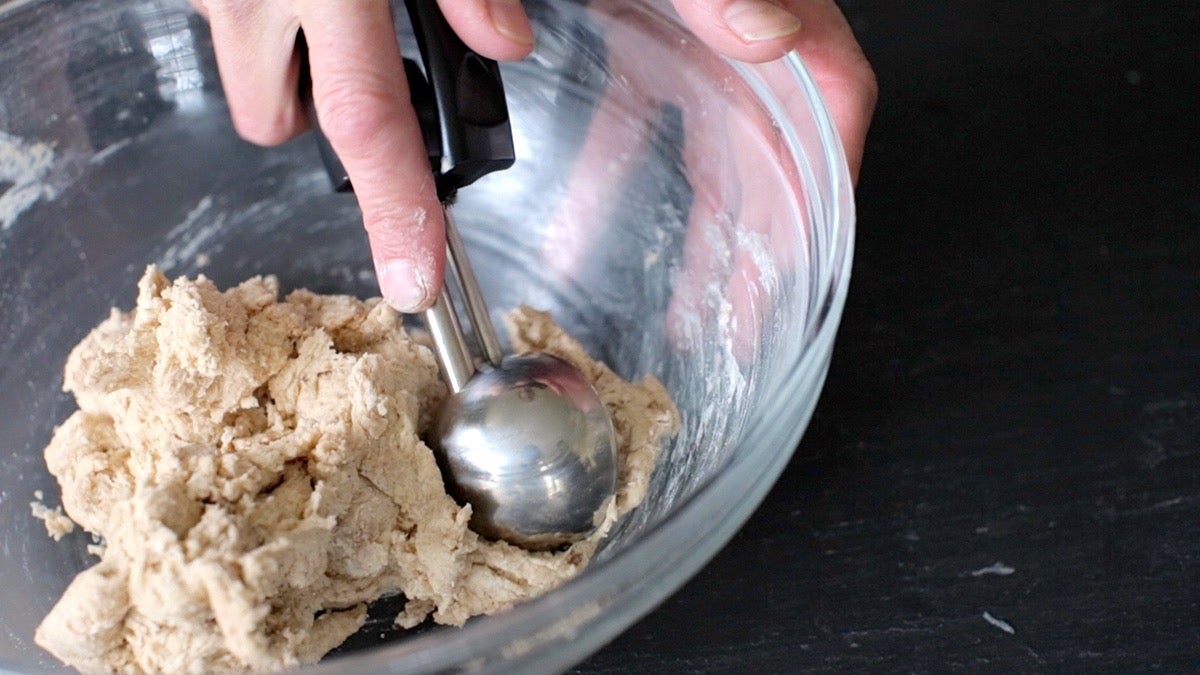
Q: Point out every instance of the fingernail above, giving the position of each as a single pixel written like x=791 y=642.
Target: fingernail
x=402 y=286
x=759 y=20
x=509 y=19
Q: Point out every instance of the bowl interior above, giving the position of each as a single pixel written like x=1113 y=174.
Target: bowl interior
x=663 y=208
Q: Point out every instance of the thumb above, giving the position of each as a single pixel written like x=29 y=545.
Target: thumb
x=762 y=30
x=747 y=30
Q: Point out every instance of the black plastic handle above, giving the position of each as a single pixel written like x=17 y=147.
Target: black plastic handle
x=460 y=104
x=472 y=113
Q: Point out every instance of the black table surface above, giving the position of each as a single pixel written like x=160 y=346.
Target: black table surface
x=1003 y=473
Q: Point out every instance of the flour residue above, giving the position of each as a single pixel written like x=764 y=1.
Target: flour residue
x=102 y=156
x=190 y=237
x=997 y=568
x=24 y=165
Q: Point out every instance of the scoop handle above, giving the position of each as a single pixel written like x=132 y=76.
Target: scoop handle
x=460 y=104
x=472 y=114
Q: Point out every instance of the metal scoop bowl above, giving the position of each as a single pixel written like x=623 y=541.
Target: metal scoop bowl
x=525 y=440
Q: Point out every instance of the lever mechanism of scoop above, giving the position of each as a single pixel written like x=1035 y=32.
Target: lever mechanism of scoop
x=472 y=114
x=459 y=99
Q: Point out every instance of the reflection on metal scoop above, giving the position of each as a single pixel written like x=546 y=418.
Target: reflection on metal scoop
x=530 y=446
x=525 y=440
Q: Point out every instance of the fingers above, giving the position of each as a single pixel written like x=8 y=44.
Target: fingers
x=497 y=29
x=362 y=101
x=255 y=47
x=841 y=71
x=748 y=30
x=761 y=30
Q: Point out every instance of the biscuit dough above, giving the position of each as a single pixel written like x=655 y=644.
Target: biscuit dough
x=256 y=470
x=58 y=525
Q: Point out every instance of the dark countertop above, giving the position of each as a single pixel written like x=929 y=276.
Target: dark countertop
x=1004 y=469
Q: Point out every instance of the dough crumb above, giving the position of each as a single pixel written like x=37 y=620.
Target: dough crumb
x=255 y=471
x=58 y=525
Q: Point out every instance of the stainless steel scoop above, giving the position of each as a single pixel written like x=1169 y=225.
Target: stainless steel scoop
x=525 y=440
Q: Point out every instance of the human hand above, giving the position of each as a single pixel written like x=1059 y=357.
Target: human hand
x=361 y=95
x=362 y=99
x=761 y=30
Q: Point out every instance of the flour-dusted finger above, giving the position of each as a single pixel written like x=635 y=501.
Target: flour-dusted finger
x=362 y=102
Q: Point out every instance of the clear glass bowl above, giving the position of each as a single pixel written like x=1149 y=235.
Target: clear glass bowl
x=682 y=214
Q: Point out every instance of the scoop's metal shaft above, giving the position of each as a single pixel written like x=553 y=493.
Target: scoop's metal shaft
x=481 y=321
x=449 y=341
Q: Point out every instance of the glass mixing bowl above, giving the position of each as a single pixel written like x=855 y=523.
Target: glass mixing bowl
x=683 y=215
